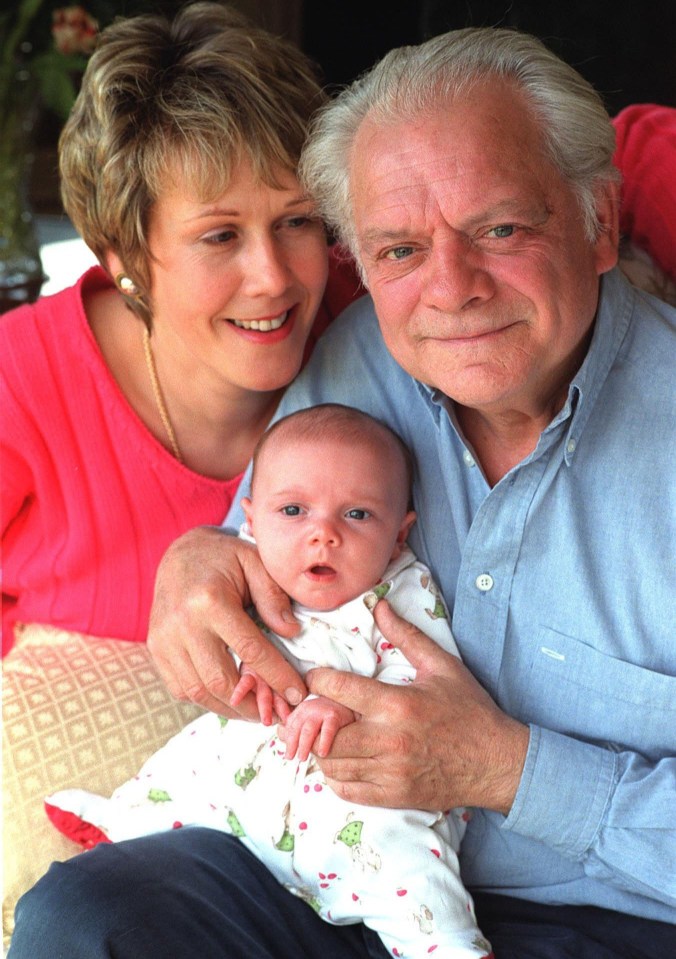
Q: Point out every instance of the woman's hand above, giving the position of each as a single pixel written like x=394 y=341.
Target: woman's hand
x=204 y=582
x=438 y=743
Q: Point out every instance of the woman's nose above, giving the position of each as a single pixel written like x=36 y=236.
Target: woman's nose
x=267 y=271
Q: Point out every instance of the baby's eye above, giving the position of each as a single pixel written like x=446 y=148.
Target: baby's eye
x=357 y=514
x=290 y=510
x=502 y=232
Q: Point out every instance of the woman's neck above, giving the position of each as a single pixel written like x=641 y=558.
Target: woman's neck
x=215 y=424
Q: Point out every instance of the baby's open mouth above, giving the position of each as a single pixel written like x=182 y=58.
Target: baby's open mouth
x=322 y=570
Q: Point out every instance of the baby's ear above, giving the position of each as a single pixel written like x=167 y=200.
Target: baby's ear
x=245 y=503
x=402 y=535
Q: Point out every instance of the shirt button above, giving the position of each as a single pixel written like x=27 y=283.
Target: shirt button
x=468 y=458
x=570 y=446
x=484 y=582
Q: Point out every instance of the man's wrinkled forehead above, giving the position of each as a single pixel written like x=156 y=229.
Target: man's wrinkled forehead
x=480 y=154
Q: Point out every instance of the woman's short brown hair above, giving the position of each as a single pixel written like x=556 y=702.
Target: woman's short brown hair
x=189 y=95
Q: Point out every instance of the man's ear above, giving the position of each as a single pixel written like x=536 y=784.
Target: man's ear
x=607 y=242
x=402 y=535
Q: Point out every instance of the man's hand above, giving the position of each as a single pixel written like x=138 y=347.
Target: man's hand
x=203 y=584
x=314 y=721
x=438 y=743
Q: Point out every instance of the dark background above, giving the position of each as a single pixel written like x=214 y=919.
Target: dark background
x=626 y=48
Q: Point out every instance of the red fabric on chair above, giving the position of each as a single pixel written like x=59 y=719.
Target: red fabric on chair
x=646 y=156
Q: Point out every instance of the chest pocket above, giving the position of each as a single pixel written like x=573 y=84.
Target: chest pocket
x=575 y=689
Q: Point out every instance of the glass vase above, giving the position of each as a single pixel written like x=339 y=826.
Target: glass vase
x=21 y=273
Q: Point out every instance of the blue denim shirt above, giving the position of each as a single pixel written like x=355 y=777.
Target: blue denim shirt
x=562 y=583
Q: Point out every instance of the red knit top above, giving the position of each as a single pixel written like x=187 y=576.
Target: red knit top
x=90 y=499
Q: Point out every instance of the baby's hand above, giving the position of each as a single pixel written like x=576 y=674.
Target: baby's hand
x=315 y=716
x=270 y=704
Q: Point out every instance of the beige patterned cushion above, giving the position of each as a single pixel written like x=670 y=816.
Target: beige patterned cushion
x=77 y=711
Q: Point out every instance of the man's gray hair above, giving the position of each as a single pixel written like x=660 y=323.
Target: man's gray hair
x=413 y=81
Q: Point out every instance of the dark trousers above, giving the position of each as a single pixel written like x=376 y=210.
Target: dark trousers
x=199 y=893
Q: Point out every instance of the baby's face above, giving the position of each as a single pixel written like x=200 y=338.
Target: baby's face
x=328 y=517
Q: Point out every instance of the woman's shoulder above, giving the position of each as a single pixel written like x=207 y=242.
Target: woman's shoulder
x=38 y=324
x=47 y=348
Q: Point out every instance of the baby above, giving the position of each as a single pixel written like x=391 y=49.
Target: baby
x=329 y=512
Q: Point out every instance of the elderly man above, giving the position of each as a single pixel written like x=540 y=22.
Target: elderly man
x=472 y=179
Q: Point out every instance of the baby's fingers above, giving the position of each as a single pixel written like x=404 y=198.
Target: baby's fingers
x=281 y=707
x=246 y=684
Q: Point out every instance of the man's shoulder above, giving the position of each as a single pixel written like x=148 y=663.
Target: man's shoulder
x=352 y=365
x=648 y=350
x=357 y=323
x=628 y=401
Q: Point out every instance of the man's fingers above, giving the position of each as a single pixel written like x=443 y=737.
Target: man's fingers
x=261 y=656
x=421 y=651
x=367 y=696
x=356 y=692
x=212 y=679
x=271 y=602
x=203 y=583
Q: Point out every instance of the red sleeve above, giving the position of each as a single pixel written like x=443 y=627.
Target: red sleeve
x=646 y=157
x=342 y=288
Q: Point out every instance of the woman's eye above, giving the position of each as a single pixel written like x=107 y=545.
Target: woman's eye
x=290 y=510
x=223 y=236
x=357 y=514
x=503 y=231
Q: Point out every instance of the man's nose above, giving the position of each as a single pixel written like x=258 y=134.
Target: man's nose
x=457 y=275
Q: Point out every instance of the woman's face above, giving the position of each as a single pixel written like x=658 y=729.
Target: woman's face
x=236 y=282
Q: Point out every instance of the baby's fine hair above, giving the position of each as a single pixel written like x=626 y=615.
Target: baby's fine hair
x=336 y=421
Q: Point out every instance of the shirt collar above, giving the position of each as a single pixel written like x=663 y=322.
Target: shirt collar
x=613 y=316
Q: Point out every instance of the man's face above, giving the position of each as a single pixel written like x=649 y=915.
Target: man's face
x=475 y=254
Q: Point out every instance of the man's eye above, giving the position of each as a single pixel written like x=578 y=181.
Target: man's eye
x=357 y=514
x=290 y=510
x=296 y=222
x=399 y=252
x=503 y=231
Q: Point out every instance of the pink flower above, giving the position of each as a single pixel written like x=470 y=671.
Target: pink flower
x=74 y=30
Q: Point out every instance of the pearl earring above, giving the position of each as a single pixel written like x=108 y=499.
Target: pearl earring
x=126 y=285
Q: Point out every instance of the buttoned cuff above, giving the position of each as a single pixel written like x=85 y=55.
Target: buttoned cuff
x=565 y=791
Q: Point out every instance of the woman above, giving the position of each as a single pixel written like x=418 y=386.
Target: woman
x=156 y=374
x=132 y=401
